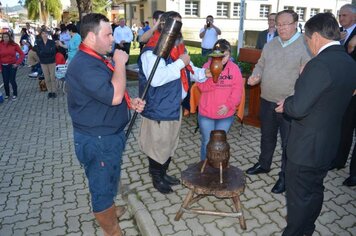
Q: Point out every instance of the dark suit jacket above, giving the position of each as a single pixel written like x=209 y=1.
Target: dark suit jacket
x=262 y=38
x=346 y=44
x=322 y=93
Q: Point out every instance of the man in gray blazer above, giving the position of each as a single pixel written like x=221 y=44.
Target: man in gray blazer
x=268 y=34
x=322 y=93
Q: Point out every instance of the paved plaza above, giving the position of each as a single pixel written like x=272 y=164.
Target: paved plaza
x=43 y=190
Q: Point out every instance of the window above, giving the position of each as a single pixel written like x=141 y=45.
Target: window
x=314 y=11
x=328 y=10
x=222 y=9
x=191 y=8
x=301 y=13
x=236 y=12
x=265 y=10
x=288 y=8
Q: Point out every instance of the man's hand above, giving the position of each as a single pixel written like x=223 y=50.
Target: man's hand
x=254 y=79
x=185 y=58
x=138 y=104
x=280 y=108
x=208 y=73
x=223 y=110
x=120 y=57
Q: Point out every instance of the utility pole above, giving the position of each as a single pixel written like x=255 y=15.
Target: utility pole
x=241 y=28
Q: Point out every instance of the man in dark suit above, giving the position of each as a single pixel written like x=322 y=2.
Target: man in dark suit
x=268 y=34
x=347 y=19
x=322 y=93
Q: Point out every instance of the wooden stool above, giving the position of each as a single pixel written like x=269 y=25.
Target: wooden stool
x=208 y=184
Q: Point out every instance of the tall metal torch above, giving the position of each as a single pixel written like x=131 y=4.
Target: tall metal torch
x=169 y=35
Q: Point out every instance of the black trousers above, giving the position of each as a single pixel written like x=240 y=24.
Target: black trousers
x=348 y=129
x=305 y=195
x=271 y=123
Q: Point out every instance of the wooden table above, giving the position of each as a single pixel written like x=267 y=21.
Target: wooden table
x=207 y=184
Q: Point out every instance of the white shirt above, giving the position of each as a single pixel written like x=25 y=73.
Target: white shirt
x=167 y=73
x=209 y=39
x=123 y=33
x=328 y=45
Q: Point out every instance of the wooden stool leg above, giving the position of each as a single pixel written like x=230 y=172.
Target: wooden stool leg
x=221 y=173
x=203 y=166
x=238 y=207
x=185 y=204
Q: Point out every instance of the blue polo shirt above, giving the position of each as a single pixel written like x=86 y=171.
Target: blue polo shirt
x=90 y=94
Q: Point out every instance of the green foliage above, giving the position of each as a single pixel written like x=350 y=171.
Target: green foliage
x=100 y=6
x=41 y=9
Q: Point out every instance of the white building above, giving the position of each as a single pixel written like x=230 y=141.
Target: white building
x=226 y=13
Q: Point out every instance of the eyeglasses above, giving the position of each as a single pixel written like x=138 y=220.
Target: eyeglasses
x=282 y=25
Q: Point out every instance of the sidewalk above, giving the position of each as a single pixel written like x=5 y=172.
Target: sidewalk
x=43 y=190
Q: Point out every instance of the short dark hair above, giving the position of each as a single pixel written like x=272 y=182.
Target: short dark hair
x=73 y=28
x=325 y=24
x=91 y=23
x=291 y=12
x=63 y=27
x=157 y=14
x=223 y=45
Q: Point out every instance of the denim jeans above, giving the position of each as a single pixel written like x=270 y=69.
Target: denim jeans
x=9 y=77
x=206 y=125
x=101 y=158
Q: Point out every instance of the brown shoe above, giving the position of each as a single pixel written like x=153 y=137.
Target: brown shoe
x=120 y=211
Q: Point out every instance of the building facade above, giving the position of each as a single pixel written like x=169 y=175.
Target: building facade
x=226 y=13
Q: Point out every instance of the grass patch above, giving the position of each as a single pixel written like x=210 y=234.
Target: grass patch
x=195 y=56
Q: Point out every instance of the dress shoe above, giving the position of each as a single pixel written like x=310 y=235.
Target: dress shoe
x=256 y=169
x=351 y=181
x=161 y=185
x=279 y=187
x=171 y=180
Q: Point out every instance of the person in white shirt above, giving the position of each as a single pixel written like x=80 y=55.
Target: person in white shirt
x=209 y=35
x=162 y=116
x=123 y=37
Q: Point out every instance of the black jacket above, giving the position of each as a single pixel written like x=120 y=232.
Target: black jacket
x=46 y=52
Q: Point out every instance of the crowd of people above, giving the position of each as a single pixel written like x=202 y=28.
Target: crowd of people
x=42 y=50
x=308 y=88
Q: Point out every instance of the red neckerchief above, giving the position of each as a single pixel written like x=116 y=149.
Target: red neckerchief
x=91 y=52
x=175 y=53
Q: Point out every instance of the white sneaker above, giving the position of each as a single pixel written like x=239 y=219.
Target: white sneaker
x=14 y=97
x=33 y=74
x=6 y=97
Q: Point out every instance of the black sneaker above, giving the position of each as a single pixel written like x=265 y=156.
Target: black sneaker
x=49 y=95
x=54 y=95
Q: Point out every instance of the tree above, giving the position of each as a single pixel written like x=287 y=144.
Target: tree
x=42 y=9
x=84 y=6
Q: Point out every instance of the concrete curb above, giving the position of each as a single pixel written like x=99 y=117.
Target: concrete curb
x=143 y=218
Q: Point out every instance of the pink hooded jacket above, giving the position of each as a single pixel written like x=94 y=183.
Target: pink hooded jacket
x=227 y=91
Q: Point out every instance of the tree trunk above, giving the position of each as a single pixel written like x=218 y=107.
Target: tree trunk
x=84 y=6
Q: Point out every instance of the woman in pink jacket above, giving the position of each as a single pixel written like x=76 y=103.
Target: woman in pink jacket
x=218 y=101
x=9 y=63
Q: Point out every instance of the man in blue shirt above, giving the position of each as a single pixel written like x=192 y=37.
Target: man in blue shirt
x=98 y=106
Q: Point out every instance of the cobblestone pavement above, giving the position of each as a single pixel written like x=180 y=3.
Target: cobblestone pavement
x=43 y=190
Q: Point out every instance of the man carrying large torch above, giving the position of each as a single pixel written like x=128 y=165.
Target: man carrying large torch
x=171 y=72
